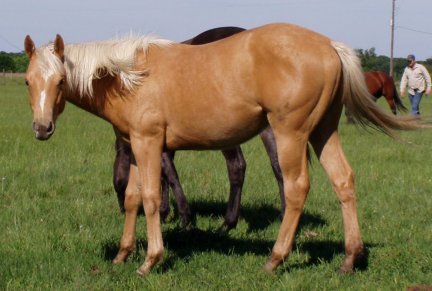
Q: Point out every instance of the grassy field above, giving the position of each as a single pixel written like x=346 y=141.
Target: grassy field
x=60 y=223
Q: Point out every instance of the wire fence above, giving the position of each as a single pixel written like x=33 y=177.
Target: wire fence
x=10 y=77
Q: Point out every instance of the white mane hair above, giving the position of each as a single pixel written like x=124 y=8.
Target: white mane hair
x=90 y=61
x=47 y=63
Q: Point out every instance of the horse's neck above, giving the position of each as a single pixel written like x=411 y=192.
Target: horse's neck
x=98 y=95
x=87 y=103
x=105 y=91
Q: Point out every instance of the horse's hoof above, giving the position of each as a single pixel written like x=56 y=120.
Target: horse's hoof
x=343 y=270
x=270 y=266
x=146 y=267
x=164 y=215
x=121 y=257
x=142 y=273
x=186 y=225
x=223 y=230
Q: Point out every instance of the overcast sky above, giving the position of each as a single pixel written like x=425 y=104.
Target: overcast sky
x=358 y=23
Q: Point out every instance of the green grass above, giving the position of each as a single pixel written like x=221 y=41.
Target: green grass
x=60 y=224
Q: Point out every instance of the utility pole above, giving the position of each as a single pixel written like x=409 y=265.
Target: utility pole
x=392 y=37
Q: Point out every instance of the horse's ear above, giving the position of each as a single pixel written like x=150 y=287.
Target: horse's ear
x=29 y=46
x=59 y=47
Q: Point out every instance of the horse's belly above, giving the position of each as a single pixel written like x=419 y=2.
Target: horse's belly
x=212 y=134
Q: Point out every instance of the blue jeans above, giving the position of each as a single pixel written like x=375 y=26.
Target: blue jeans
x=415 y=102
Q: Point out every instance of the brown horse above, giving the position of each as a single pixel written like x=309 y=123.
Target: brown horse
x=380 y=84
x=235 y=161
x=160 y=95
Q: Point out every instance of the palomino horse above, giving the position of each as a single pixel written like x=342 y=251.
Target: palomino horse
x=160 y=95
x=235 y=161
x=380 y=84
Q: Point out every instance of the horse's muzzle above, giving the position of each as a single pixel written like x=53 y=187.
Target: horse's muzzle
x=43 y=132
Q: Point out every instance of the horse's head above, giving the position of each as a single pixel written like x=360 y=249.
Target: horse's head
x=45 y=80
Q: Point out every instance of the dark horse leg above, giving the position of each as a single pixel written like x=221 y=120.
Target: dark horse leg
x=170 y=175
x=121 y=171
x=391 y=94
x=169 y=178
x=269 y=142
x=236 y=165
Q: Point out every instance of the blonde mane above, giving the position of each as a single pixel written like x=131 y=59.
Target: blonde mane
x=94 y=60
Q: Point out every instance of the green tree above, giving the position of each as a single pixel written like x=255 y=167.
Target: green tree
x=7 y=63
x=371 y=62
x=21 y=62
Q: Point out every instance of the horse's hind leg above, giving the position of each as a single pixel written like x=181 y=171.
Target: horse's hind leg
x=165 y=206
x=236 y=165
x=327 y=146
x=121 y=171
x=170 y=172
x=293 y=163
x=269 y=142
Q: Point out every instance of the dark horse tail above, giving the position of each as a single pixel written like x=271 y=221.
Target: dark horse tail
x=359 y=102
x=398 y=102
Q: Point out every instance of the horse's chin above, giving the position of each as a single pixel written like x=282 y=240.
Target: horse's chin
x=43 y=134
x=42 y=137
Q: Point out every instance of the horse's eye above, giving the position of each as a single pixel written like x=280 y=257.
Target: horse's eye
x=61 y=82
x=26 y=82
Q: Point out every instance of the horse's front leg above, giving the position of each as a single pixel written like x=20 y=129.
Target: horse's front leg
x=131 y=202
x=148 y=152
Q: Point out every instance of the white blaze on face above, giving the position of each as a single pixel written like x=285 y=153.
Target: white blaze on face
x=47 y=74
x=42 y=100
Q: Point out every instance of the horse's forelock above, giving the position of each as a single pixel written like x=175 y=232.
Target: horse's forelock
x=48 y=62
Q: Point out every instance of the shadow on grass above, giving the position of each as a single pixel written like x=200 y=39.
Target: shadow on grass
x=257 y=218
x=325 y=251
x=183 y=244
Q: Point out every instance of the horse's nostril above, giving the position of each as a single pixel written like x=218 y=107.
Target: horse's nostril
x=43 y=132
x=50 y=128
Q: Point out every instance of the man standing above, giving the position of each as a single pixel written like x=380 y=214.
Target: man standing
x=418 y=80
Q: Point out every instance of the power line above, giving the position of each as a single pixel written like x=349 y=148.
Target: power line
x=414 y=30
x=10 y=43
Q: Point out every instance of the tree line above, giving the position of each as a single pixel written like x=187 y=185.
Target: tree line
x=18 y=62
x=13 y=62
x=371 y=62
